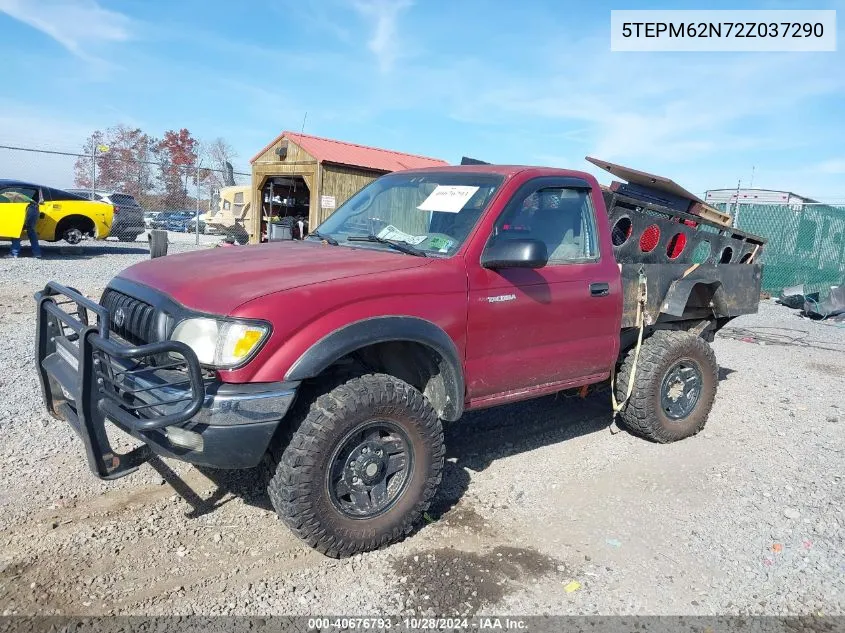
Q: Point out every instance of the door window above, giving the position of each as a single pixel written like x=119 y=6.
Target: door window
x=561 y=217
x=18 y=193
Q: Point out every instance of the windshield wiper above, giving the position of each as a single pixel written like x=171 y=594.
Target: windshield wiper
x=325 y=238
x=402 y=247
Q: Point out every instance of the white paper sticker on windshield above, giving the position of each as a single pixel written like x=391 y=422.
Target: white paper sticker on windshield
x=448 y=198
x=390 y=232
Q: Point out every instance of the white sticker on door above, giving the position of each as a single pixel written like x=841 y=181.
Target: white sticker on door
x=448 y=198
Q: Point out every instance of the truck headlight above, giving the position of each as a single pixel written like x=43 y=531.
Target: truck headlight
x=221 y=343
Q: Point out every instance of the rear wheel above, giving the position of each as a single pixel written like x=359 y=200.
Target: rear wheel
x=674 y=389
x=73 y=236
x=361 y=467
x=73 y=228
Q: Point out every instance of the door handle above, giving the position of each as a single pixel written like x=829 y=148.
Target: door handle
x=599 y=289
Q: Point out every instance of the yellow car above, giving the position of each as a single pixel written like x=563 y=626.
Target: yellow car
x=64 y=216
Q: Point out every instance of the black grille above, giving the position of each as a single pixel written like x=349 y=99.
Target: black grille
x=131 y=319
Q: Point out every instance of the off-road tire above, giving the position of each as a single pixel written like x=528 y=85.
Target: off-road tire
x=298 y=487
x=644 y=414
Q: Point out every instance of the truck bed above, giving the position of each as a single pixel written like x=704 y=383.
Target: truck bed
x=694 y=267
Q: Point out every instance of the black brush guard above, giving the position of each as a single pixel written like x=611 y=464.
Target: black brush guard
x=86 y=378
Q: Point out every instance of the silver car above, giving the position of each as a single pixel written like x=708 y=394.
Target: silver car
x=128 y=221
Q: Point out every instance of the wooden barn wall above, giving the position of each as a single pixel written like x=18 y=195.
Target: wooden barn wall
x=298 y=162
x=400 y=210
x=295 y=154
x=342 y=182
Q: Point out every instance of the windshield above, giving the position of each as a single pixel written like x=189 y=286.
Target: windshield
x=434 y=212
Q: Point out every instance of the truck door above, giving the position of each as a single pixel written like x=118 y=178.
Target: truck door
x=559 y=323
x=13 y=202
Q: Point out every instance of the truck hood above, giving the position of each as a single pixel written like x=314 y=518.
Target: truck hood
x=218 y=280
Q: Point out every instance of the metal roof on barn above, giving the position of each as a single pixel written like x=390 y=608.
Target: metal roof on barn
x=327 y=150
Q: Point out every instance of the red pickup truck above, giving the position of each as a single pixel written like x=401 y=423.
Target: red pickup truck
x=429 y=293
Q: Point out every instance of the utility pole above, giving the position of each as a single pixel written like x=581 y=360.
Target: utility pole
x=197 y=219
x=94 y=149
x=736 y=204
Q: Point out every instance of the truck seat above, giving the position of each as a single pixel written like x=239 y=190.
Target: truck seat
x=560 y=229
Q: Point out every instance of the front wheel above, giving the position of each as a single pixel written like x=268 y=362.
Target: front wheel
x=361 y=467
x=674 y=388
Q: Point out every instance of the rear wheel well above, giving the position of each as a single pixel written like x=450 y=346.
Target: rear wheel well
x=84 y=224
x=414 y=363
x=705 y=328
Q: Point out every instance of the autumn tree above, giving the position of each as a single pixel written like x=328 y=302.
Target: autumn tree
x=158 y=172
x=124 y=160
x=177 y=158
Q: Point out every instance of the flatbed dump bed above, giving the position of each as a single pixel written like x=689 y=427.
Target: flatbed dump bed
x=712 y=264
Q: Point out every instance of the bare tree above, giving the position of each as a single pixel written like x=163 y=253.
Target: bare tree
x=216 y=159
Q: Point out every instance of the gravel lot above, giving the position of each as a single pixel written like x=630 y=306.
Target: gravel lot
x=745 y=518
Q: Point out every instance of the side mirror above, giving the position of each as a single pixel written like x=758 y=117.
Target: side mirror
x=515 y=253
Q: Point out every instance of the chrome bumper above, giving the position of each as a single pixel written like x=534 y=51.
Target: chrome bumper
x=225 y=404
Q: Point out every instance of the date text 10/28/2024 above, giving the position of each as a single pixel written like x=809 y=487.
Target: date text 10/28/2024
x=418 y=624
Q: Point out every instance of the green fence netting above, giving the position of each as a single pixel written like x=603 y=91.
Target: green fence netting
x=806 y=243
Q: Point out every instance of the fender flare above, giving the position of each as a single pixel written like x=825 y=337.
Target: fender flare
x=384 y=329
x=678 y=295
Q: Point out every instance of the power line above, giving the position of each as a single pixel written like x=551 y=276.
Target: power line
x=102 y=157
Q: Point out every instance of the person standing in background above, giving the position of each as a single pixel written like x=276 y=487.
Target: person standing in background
x=32 y=213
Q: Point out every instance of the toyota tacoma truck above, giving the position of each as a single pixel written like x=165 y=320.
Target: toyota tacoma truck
x=335 y=360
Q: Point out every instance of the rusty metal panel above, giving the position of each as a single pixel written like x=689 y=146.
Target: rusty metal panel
x=644 y=178
x=644 y=233
x=682 y=291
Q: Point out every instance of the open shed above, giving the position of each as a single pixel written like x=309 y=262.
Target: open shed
x=300 y=176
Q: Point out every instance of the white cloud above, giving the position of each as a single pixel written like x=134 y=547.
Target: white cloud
x=833 y=166
x=658 y=107
x=384 y=42
x=75 y=24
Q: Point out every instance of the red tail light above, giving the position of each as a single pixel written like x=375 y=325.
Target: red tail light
x=116 y=209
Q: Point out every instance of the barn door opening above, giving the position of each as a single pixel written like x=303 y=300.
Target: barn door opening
x=285 y=204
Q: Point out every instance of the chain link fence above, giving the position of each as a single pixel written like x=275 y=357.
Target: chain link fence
x=170 y=196
x=806 y=243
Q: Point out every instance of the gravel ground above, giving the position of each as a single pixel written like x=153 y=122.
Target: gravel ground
x=745 y=518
